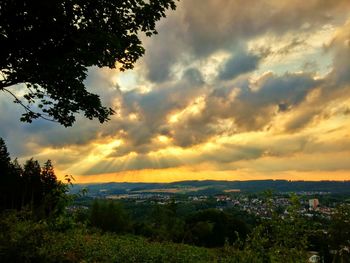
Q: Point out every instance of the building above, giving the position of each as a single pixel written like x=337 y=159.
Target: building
x=313 y=203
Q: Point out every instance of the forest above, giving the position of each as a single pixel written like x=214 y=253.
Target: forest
x=42 y=222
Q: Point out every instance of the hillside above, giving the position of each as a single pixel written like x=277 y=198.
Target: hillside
x=212 y=187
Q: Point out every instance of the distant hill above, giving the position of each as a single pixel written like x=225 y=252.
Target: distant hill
x=212 y=187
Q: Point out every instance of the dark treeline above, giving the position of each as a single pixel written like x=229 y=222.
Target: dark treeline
x=206 y=227
x=29 y=186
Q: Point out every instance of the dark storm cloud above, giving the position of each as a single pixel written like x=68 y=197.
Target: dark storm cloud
x=153 y=109
x=223 y=113
x=239 y=64
x=341 y=48
x=248 y=110
x=199 y=28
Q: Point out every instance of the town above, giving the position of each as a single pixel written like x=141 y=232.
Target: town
x=311 y=204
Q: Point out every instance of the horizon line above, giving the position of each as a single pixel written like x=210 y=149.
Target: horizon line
x=212 y=180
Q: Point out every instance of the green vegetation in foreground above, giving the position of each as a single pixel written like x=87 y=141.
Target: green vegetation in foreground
x=23 y=238
x=61 y=240
x=29 y=241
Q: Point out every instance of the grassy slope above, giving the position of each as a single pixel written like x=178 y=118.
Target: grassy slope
x=28 y=241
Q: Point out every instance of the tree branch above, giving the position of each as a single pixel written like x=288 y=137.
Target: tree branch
x=4 y=82
x=27 y=109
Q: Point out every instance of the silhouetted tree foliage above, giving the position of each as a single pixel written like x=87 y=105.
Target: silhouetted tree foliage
x=48 y=46
x=29 y=187
x=212 y=228
x=5 y=175
x=340 y=234
x=278 y=239
x=109 y=216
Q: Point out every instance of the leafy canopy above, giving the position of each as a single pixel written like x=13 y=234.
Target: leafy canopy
x=48 y=46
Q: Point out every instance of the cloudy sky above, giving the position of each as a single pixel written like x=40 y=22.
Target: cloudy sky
x=234 y=90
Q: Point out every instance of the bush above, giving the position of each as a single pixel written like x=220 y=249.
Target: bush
x=24 y=240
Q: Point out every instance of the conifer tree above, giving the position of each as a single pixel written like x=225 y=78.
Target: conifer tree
x=32 y=184
x=5 y=166
x=48 y=177
x=16 y=184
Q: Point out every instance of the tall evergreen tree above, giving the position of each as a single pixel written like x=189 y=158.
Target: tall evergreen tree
x=33 y=190
x=48 y=177
x=4 y=156
x=16 y=184
x=5 y=178
x=52 y=189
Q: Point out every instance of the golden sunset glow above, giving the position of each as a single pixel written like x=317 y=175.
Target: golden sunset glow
x=193 y=109
x=182 y=174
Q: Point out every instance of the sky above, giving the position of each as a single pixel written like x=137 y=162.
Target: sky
x=228 y=90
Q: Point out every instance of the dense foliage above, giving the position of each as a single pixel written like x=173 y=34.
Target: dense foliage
x=49 y=45
x=29 y=241
x=23 y=239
